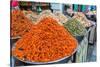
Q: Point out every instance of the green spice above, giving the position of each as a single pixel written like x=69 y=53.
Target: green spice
x=75 y=27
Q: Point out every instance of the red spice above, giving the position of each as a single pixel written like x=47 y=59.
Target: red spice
x=47 y=41
x=19 y=23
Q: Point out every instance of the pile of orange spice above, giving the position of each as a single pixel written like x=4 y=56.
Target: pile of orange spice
x=19 y=23
x=47 y=41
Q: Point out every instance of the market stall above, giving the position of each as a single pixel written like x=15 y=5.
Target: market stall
x=48 y=33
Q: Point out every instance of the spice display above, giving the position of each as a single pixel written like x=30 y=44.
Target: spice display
x=33 y=16
x=48 y=13
x=46 y=41
x=62 y=18
x=82 y=18
x=75 y=27
x=19 y=23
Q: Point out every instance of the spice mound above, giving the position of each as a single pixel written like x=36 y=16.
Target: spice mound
x=19 y=23
x=47 y=41
x=82 y=19
x=75 y=27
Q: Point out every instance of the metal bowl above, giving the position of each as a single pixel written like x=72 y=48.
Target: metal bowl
x=58 y=60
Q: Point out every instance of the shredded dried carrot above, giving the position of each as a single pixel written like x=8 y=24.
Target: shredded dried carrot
x=47 y=41
x=19 y=23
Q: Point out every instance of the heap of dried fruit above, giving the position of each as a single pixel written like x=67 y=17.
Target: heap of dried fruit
x=19 y=23
x=47 y=41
